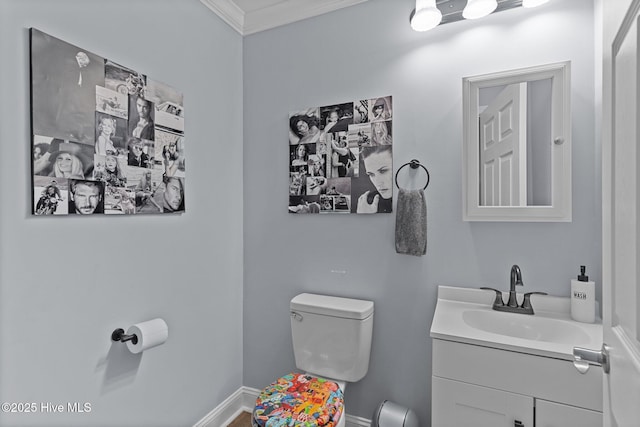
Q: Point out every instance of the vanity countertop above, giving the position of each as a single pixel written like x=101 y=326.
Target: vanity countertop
x=465 y=315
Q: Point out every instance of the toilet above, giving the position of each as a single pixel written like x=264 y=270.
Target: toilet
x=331 y=344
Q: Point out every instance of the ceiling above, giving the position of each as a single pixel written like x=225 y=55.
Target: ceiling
x=252 y=16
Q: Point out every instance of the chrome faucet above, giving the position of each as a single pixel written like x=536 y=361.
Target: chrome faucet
x=512 y=305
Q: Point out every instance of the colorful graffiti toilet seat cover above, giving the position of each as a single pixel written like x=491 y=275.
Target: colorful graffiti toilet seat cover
x=299 y=400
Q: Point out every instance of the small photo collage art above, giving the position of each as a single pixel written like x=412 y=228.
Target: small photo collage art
x=106 y=139
x=341 y=159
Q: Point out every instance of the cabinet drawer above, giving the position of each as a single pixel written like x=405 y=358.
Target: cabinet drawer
x=457 y=404
x=541 y=377
x=551 y=414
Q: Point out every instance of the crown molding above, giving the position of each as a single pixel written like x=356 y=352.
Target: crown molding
x=228 y=11
x=277 y=15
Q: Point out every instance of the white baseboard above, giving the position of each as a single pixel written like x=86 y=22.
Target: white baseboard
x=244 y=399
x=225 y=412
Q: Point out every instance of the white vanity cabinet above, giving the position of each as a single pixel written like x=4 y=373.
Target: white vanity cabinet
x=498 y=369
x=483 y=386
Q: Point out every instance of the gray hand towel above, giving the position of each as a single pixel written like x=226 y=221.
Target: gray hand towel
x=411 y=223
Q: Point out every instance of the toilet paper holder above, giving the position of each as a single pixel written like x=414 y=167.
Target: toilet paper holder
x=119 y=335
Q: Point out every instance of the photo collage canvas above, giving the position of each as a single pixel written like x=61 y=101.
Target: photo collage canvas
x=106 y=139
x=341 y=159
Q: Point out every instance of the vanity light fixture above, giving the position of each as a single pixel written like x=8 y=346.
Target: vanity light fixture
x=425 y=16
x=478 y=8
x=431 y=13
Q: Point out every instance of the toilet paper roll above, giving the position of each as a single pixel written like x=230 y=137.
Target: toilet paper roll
x=150 y=334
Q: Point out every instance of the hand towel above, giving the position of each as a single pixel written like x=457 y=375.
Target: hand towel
x=411 y=223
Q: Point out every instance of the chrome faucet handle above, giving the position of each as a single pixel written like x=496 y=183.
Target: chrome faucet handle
x=526 y=303
x=498 y=301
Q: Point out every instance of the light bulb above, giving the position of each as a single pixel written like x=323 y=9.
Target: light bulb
x=533 y=3
x=426 y=16
x=478 y=8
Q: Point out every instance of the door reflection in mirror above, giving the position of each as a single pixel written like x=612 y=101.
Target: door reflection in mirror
x=515 y=144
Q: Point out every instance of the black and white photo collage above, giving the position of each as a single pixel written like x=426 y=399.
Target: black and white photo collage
x=106 y=139
x=341 y=159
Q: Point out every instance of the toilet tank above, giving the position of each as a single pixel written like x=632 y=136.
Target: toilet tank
x=332 y=335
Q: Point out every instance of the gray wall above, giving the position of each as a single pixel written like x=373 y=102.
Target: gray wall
x=67 y=283
x=366 y=51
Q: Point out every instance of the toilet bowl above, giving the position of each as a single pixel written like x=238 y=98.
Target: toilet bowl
x=332 y=344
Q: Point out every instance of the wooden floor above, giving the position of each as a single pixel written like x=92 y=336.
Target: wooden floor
x=242 y=420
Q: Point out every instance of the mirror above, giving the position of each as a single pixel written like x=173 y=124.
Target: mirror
x=517 y=145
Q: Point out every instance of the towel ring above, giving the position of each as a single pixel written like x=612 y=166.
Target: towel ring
x=414 y=165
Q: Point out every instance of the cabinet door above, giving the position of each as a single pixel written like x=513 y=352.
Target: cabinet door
x=551 y=414
x=457 y=404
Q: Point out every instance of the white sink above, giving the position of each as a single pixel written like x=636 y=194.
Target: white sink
x=465 y=315
x=528 y=327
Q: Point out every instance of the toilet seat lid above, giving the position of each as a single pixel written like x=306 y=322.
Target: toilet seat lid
x=299 y=400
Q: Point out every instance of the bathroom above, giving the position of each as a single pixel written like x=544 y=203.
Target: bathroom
x=223 y=273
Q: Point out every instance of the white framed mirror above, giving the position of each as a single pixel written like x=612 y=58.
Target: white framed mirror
x=517 y=145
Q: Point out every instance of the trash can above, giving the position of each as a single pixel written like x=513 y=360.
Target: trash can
x=390 y=414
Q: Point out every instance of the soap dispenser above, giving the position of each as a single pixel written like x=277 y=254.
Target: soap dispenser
x=583 y=299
